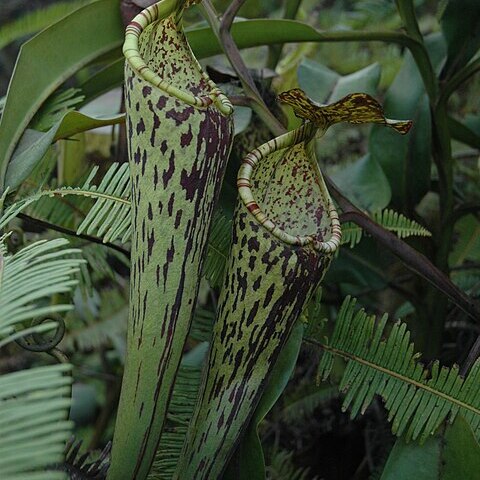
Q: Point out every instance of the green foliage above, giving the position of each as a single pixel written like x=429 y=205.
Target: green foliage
x=34 y=21
x=59 y=48
x=34 y=403
x=418 y=400
x=451 y=454
x=390 y=220
x=29 y=278
x=421 y=78
x=34 y=407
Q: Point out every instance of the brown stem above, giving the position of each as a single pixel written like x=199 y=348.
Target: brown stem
x=233 y=54
x=67 y=231
x=412 y=259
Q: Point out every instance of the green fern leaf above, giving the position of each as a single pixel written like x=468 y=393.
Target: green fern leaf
x=180 y=412
x=218 y=248
x=417 y=400
x=28 y=278
x=388 y=219
x=105 y=328
x=34 y=406
x=109 y=217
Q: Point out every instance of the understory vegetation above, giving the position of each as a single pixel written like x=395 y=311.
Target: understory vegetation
x=176 y=298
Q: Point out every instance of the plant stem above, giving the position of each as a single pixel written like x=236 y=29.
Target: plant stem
x=460 y=77
x=412 y=259
x=222 y=31
x=275 y=51
x=73 y=233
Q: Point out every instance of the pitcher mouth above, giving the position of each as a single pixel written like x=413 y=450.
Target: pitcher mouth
x=159 y=11
x=248 y=197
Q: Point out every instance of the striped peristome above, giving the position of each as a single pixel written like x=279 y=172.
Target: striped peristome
x=179 y=136
x=285 y=232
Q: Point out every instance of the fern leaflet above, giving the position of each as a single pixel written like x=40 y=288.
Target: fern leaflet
x=388 y=219
x=34 y=406
x=30 y=276
x=417 y=400
x=109 y=217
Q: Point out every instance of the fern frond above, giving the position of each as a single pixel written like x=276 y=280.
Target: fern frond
x=180 y=411
x=218 y=248
x=388 y=219
x=28 y=278
x=417 y=400
x=34 y=406
x=282 y=468
x=107 y=328
x=109 y=217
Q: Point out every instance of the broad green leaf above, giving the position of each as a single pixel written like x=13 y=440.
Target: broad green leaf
x=452 y=455
x=461 y=29
x=365 y=183
x=248 y=462
x=465 y=131
x=34 y=21
x=406 y=160
x=108 y=77
x=467 y=246
x=34 y=144
x=325 y=86
x=48 y=59
x=241 y=118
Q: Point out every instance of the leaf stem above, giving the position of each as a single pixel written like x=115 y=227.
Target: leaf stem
x=222 y=31
x=391 y=373
x=67 y=231
x=411 y=258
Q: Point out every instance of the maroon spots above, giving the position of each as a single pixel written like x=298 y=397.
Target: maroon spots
x=162 y=102
x=137 y=156
x=180 y=116
x=167 y=174
x=191 y=182
x=170 y=204
x=151 y=243
x=178 y=218
x=163 y=147
x=140 y=126
x=186 y=138
x=269 y=295
x=146 y=91
x=253 y=244
x=257 y=283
